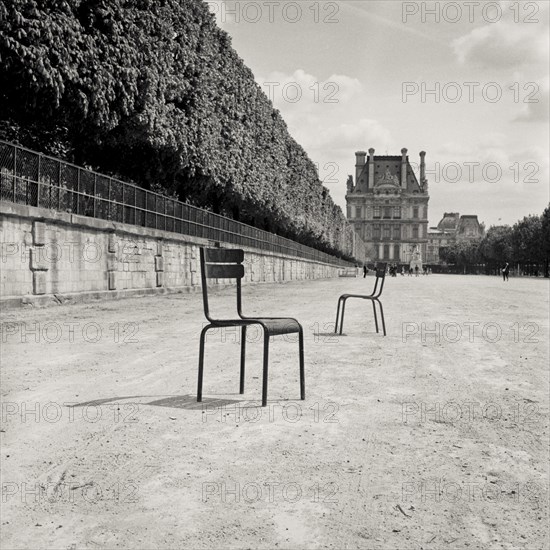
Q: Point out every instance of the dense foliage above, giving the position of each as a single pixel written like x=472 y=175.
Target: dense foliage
x=526 y=242
x=151 y=90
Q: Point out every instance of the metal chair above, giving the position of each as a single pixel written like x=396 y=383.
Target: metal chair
x=218 y=263
x=373 y=297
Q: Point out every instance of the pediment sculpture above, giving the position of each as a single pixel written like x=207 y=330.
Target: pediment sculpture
x=387 y=179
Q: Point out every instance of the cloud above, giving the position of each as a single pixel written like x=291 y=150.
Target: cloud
x=301 y=90
x=363 y=10
x=506 y=44
x=330 y=121
x=495 y=181
x=363 y=133
x=324 y=114
x=537 y=111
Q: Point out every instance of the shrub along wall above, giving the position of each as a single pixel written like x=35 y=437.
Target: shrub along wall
x=151 y=90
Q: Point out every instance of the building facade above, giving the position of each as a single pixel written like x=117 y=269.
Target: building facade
x=452 y=228
x=388 y=207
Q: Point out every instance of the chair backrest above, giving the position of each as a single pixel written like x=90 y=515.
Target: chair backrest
x=221 y=263
x=380 y=277
x=381 y=270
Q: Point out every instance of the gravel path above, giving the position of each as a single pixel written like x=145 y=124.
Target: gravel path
x=433 y=437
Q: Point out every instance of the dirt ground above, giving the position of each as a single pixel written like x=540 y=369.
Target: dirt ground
x=435 y=436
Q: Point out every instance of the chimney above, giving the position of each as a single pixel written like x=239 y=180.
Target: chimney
x=422 y=167
x=404 y=168
x=359 y=165
x=371 y=168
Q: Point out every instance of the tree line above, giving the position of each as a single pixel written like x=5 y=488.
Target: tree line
x=527 y=242
x=151 y=91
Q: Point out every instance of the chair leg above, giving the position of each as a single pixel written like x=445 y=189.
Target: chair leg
x=201 y=362
x=337 y=315
x=302 y=368
x=266 y=360
x=375 y=316
x=243 y=354
x=342 y=318
x=382 y=315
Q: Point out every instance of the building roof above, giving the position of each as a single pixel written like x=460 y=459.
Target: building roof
x=469 y=226
x=449 y=222
x=387 y=175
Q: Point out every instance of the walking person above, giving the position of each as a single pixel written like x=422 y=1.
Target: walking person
x=364 y=271
x=505 y=272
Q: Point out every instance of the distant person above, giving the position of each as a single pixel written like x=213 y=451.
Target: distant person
x=365 y=271
x=402 y=272
x=505 y=271
x=416 y=270
x=410 y=271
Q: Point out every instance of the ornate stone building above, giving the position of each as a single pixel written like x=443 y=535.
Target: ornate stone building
x=388 y=206
x=452 y=227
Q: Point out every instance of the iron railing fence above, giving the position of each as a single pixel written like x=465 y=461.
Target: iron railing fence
x=35 y=179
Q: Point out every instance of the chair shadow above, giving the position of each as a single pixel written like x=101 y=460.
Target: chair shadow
x=98 y=402
x=329 y=335
x=188 y=402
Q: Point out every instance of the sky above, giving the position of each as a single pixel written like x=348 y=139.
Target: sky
x=467 y=82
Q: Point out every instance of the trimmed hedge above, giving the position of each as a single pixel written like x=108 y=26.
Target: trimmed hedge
x=152 y=91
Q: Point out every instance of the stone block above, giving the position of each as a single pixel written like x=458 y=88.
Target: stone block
x=112 y=242
x=160 y=248
x=39 y=262
x=160 y=278
x=112 y=280
x=111 y=262
x=39 y=233
x=159 y=263
x=39 y=282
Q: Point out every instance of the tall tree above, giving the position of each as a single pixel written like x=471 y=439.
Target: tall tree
x=496 y=246
x=152 y=91
x=527 y=240
x=545 y=237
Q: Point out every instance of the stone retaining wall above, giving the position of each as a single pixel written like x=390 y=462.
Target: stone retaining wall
x=53 y=257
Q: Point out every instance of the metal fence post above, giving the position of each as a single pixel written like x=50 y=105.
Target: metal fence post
x=78 y=190
x=59 y=186
x=14 y=172
x=38 y=180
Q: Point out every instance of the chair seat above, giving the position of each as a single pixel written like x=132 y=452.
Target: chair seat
x=280 y=326
x=274 y=325
x=365 y=296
